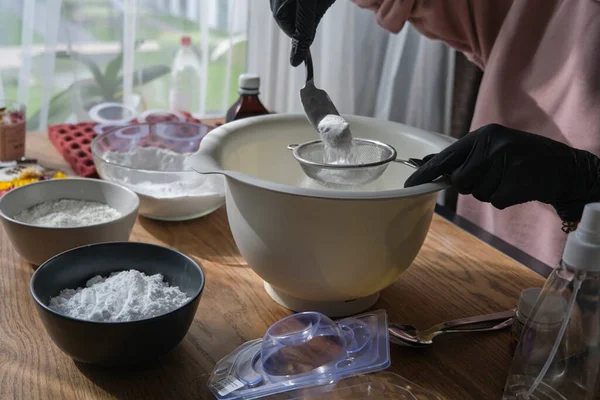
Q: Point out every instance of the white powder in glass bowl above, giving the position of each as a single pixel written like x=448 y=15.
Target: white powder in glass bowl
x=167 y=189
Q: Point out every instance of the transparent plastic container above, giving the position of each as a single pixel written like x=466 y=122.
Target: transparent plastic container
x=553 y=316
x=301 y=351
x=112 y=113
x=564 y=362
x=156 y=116
x=380 y=385
x=12 y=131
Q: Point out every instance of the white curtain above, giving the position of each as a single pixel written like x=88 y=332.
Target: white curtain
x=406 y=78
x=142 y=36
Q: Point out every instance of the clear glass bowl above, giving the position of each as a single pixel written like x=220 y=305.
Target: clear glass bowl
x=149 y=159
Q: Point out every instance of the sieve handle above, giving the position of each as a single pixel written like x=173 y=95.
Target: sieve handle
x=292 y=146
x=416 y=163
x=411 y=162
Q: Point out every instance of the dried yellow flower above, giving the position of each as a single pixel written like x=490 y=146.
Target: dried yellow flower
x=27 y=176
x=30 y=173
x=22 y=182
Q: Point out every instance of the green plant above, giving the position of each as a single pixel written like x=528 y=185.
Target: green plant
x=104 y=86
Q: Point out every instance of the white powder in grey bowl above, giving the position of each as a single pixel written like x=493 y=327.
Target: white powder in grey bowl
x=123 y=296
x=65 y=213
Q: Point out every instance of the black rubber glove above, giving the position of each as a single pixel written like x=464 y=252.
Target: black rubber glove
x=299 y=20
x=506 y=167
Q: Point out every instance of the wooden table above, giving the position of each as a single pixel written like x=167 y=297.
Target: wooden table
x=455 y=275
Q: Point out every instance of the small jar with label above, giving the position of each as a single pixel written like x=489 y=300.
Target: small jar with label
x=554 y=309
x=12 y=131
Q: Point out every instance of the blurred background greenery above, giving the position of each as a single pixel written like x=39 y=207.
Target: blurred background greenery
x=91 y=25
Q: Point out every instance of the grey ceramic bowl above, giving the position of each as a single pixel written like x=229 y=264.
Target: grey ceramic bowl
x=37 y=244
x=116 y=343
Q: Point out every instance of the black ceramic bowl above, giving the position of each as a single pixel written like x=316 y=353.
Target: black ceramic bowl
x=116 y=343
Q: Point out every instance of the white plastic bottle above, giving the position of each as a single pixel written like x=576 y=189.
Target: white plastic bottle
x=184 y=89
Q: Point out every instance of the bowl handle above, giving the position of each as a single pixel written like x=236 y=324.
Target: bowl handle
x=203 y=163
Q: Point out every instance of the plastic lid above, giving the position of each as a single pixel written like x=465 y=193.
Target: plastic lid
x=102 y=128
x=551 y=311
x=301 y=351
x=107 y=113
x=582 y=251
x=186 y=41
x=249 y=82
x=154 y=116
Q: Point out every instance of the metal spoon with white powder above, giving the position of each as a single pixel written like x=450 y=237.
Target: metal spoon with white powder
x=325 y=118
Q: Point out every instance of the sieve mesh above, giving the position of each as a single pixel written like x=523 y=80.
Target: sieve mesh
x=368 y=160
x=363 y=152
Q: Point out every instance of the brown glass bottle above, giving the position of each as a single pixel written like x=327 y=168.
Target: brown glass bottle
x=248 y=104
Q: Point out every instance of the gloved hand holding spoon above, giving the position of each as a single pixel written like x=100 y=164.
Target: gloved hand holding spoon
x=299 y=20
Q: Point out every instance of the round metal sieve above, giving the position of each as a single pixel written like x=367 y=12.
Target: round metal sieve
x=369 y=160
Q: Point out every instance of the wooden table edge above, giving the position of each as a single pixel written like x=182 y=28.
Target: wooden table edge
x=505 y=248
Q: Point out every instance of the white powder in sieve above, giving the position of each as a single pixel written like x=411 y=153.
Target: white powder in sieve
x=123 y=296
x=65 y=213
x=337 y=140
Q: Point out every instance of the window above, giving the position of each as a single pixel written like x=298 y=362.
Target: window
x=91 y=52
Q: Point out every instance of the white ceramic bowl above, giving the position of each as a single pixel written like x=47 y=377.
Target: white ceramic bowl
x=167 y=191
x=317 y=248
x=36 y=244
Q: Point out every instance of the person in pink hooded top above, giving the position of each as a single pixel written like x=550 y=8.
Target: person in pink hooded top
x=541 y=75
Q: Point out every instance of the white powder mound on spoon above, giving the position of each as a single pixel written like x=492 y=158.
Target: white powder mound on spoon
x=337 y=140
x=66 y=213
x=335 y=131
x=123 y=296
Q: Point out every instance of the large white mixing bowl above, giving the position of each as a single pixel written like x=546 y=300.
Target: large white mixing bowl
x=317 y=248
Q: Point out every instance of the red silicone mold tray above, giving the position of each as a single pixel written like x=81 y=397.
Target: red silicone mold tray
x=73 y=142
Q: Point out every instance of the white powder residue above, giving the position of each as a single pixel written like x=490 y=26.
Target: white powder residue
x=66 y=213
x=150 y=158
x=169 y=190
x=337 y=139
x=123 y=296
x=156 y=159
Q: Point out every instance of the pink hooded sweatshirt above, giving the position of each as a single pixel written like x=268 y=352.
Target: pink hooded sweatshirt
x=541 y=63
